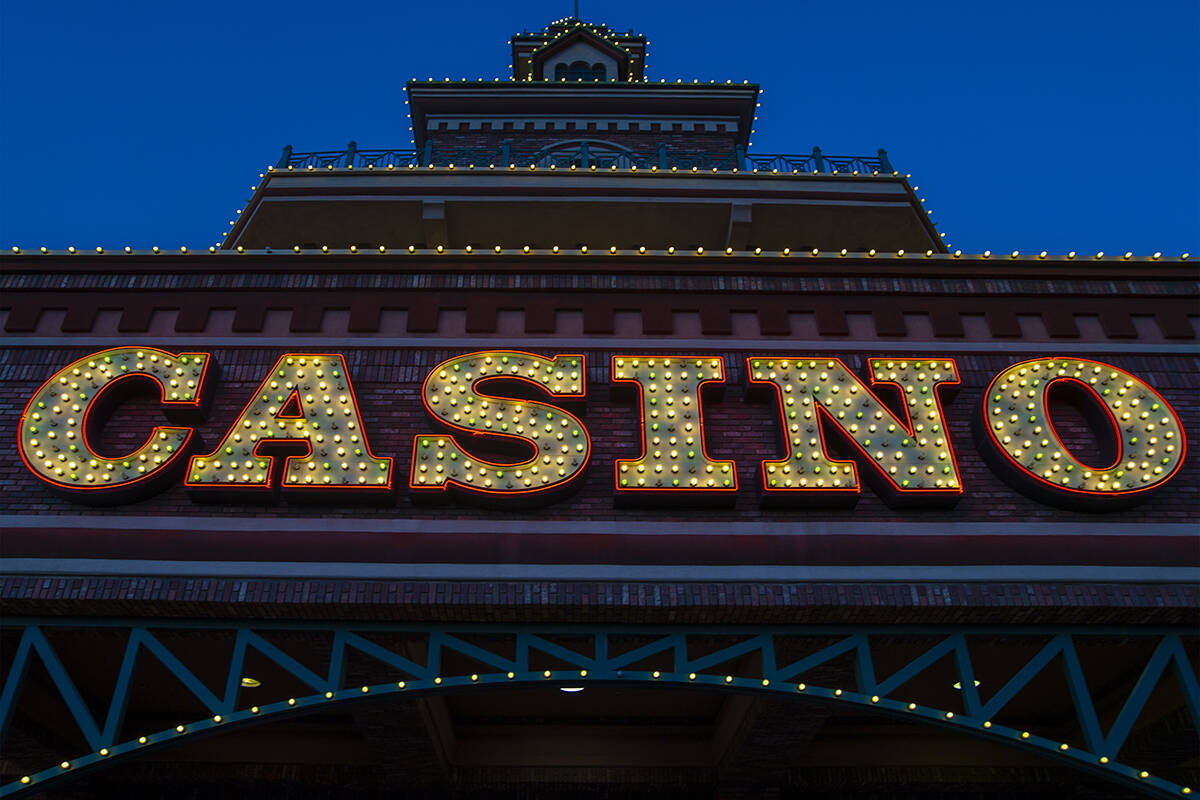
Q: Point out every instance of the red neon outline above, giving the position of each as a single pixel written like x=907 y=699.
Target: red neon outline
x=295 y=395
x=194 y=403
x=906 y=424
x=268 y=484
x=642 y=430
x=1108 y=411
x=444 y=486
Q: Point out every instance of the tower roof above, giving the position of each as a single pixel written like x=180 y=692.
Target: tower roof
x=571 y=38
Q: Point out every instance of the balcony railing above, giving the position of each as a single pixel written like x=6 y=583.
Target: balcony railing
x=585 y=155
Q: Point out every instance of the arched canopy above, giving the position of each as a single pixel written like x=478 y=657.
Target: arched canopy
x=748 y=660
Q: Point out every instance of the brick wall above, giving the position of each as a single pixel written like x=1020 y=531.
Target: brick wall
x=594 y=602
x=387 y=380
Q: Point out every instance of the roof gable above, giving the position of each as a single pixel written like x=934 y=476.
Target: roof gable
x=580 y=35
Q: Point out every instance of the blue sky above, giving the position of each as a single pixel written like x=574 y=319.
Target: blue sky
x=1027 y=125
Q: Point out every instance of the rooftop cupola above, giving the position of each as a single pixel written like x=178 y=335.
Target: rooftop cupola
x=573 y=51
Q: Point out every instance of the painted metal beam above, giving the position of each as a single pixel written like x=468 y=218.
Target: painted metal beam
x=597 y=663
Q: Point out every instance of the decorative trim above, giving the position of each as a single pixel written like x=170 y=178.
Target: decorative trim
x=674 y=573
x=660 y=527
x=361 y=342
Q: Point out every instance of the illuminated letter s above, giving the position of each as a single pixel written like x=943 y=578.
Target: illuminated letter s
x=558 y=440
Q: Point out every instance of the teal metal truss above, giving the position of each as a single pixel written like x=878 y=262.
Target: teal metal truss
x=593 y=663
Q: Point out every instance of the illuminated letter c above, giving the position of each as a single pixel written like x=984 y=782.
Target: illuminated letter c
x=55 y=427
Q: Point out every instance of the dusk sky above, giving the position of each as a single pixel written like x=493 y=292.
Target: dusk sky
x=1027 y=125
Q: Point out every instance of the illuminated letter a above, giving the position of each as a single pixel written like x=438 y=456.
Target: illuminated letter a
x=307 y=405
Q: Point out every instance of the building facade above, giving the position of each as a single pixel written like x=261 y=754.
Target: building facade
x=578 y=450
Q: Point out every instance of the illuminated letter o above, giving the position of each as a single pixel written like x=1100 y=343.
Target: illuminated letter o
x=1027 y=449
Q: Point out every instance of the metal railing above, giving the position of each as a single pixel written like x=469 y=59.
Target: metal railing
x=585 y=155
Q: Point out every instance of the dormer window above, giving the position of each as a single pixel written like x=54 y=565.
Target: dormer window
x=580 y=71
x=580 y=56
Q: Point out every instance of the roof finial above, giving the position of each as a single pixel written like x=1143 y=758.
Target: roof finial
x=576 y=9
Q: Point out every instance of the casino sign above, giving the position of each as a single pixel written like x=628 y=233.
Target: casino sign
x=302 y=430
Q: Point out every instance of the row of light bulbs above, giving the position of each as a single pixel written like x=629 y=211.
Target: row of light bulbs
x=595 y=28
x=613 y=168
x=944 y=717
x=612 y=250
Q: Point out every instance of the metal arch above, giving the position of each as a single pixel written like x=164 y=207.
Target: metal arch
x=598 y=666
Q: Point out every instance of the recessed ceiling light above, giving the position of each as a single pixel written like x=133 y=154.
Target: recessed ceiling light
x=250 y=683
x=570 y=689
